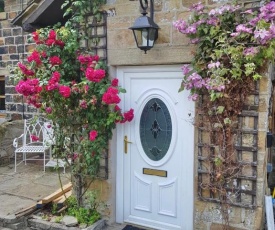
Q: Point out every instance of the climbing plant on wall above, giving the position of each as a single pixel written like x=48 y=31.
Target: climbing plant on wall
x=233 y=47
x=72 y=88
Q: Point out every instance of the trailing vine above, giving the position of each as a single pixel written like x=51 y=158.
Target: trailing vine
x=233 y=47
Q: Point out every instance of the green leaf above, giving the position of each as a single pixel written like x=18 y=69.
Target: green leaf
x=121 y=90
x=220 y=109
x=227 y=121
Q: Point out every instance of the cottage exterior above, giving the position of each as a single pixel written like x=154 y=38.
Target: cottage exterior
x=160 y=192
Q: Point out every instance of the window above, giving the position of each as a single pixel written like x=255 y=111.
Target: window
x=155 y=129
x=2 y=94
x=2 y=6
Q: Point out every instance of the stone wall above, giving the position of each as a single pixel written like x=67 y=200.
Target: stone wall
x=14 y=46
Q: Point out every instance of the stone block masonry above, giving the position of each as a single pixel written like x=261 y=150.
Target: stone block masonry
x=14 y=47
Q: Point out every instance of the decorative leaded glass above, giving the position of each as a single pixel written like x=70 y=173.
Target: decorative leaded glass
x=155 y=129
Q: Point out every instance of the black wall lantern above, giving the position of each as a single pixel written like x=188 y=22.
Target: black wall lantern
x=145 y=29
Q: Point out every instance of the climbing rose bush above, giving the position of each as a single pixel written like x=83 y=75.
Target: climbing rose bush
x=72 y=88
x=231 y=44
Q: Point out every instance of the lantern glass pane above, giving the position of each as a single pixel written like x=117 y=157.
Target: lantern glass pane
x=138 y=37
x=145 y=37
x=152 y=37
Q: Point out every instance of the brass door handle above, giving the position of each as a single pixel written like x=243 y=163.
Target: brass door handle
x=126 y=142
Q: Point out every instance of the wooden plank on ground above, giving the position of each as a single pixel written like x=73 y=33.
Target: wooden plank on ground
x=26 y=211
x=62 y=198
x=62 y=209
x=60 y=203
x=57 y=193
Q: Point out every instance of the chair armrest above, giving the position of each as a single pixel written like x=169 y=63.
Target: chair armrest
x=15 y=141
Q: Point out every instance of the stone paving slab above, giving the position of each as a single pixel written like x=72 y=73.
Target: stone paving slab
x=5 y=178
x=24 y=188
x=32 y=191
x=12 y=204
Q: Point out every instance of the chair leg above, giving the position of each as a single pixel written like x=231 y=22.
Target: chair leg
x=15 y=162
x=50 y=152
x=44 y=160
x=25 y=158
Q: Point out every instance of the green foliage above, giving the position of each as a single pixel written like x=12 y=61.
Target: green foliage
x=54 y=208
x=78 y=9
x=87 y=214
x=58 y=219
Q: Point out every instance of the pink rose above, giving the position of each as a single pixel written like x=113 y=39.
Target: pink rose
x=115 y=82
x=34 y=138
x=95 y=75
x=65 y=91
x=93 y=135
x=128 y=116
x=49 y=110
x=55 y=60
x=52 y=34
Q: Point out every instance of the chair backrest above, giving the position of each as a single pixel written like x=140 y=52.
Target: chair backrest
x=38 y=131
x=48 y=134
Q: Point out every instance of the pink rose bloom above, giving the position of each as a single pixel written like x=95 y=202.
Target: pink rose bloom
x=111 y=96
x=50 y=42
x=35 y=56
x=48 y=110
x=25 y=70
x=34 y=138
x=83 y=104
x=51 y=86
x=89 y=73
x=60 y=43
x=99 y=74
x=93 y=135
x=43 y=54
x=52 y=34
x=128 y=116
x=96 y=58
x=115 y=82
x=117 y=108
x=55 y=60
x=95 y=75
x=55 y=77
x=65 y=91
x=35 y=37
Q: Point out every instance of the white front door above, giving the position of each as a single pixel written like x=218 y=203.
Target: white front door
x=155 y=172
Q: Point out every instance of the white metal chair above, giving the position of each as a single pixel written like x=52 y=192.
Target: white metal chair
x=37 y=138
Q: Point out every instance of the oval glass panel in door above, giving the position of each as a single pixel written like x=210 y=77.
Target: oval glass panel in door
x=155 y=129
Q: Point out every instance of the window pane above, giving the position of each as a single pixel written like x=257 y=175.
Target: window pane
x=2 y=6
x=2 y=104
x=155 y=129
x=2 y=87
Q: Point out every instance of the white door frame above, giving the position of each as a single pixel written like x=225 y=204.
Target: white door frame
x=188 y=217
